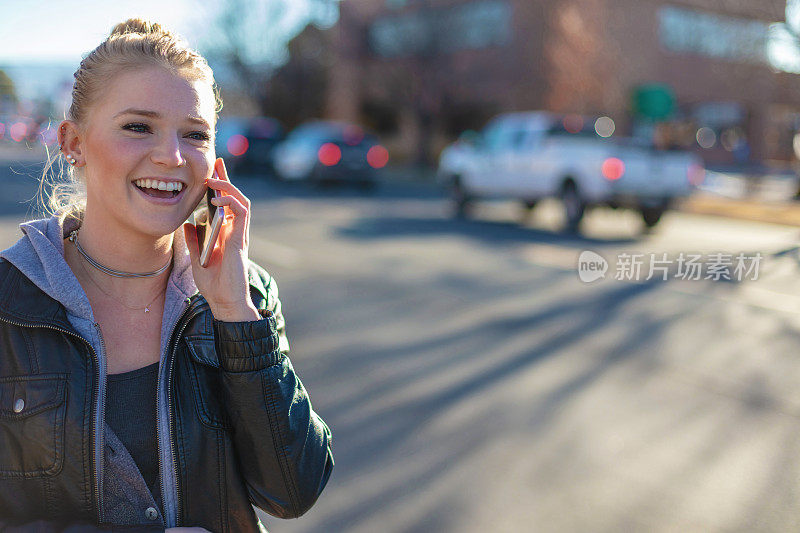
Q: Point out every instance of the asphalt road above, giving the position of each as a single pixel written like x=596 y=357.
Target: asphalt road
x=473 y=383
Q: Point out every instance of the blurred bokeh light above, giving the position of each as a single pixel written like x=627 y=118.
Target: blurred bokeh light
x=237 y=145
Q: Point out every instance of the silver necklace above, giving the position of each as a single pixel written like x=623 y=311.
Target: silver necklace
x=73 y=237
x=146 y=307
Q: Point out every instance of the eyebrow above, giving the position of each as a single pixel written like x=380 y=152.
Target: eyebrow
x=156 y=114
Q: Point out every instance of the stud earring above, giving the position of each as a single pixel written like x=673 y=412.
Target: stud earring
x=71 y=160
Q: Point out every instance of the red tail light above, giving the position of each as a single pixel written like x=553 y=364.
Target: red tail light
x=329 y=154
x=613 y=169
x=696 y=174
x=18 y=131
x=237 y=145
x=377 y=156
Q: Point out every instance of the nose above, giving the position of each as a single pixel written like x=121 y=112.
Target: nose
x=168 y=152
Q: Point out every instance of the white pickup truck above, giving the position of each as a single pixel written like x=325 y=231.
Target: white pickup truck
x=536 y=155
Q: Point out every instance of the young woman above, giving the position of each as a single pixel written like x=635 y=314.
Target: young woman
x=137 y=388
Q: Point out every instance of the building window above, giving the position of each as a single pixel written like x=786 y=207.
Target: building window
x=401 y=35
x=687 y=31
x=478 y=25
x=467 y=26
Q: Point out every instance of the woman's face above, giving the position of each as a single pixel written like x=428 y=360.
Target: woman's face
x=149 y=129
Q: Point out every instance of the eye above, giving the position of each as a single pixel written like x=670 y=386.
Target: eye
x=199 y=136
x=137 y=127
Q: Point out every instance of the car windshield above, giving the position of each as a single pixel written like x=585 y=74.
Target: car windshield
x=319 y=133
x=574 y=126
x=264 y=128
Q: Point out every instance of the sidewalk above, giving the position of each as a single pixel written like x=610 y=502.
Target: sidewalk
x=12 y=152
x=786 y=212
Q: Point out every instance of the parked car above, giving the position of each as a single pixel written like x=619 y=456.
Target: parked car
x=246 y=144
x=326 y=151
x=536 y=155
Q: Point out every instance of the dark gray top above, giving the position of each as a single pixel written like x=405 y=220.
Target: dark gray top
x=131 y=413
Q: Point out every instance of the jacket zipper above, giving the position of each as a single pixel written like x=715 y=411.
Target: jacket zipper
x=95 y=395
x=182 y=318
x=102 y=405
x=170 y=414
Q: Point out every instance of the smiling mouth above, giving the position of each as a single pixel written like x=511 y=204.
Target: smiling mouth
x=159 y=189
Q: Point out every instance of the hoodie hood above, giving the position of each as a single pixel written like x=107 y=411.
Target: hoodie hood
x=39 y=255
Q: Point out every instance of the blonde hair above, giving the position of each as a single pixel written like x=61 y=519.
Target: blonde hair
x=132 y=44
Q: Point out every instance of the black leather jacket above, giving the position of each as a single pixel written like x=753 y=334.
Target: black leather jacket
x=242 y=427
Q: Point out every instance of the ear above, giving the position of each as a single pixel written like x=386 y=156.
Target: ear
x=70 y=142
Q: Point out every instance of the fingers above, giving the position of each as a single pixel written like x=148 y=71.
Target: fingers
x=239 y=210
x=222 y=172
x=240 y=214
x=228 y=188
x=224 y=183
x=238 y=204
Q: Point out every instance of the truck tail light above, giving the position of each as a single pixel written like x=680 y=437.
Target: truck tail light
x=696 y=174
x=613 y=169
x=329 y=154
x=377 y=156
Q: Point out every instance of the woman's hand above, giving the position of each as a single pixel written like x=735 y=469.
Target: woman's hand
x=223 y=282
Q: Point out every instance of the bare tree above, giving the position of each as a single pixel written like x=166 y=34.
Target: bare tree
x=296 y=92
x=252 y=36
x=8 y=92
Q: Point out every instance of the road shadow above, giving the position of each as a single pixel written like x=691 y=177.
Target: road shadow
x=449 y=370
x=416 y=420
x=491 y=232
x=487 y=232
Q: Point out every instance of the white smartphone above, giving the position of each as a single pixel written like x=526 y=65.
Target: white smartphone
x=211 y=225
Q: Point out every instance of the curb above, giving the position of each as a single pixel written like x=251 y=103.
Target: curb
x=785 y=213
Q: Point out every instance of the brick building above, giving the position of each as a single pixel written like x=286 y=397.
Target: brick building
x=421 y=71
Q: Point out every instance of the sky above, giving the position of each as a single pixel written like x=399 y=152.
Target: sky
x=55 y=31
x=58 y=31
x=43 y=41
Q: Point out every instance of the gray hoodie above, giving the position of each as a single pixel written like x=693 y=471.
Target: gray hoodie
x=126 y=500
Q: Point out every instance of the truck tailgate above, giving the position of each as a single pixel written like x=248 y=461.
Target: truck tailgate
x=655 y=173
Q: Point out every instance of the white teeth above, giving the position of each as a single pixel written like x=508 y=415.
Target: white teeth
x=160 y=185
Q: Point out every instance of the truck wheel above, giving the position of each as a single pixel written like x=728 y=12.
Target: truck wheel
x=527 y=209
x=460 y=198
x=651 y=215
x=574 y=206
